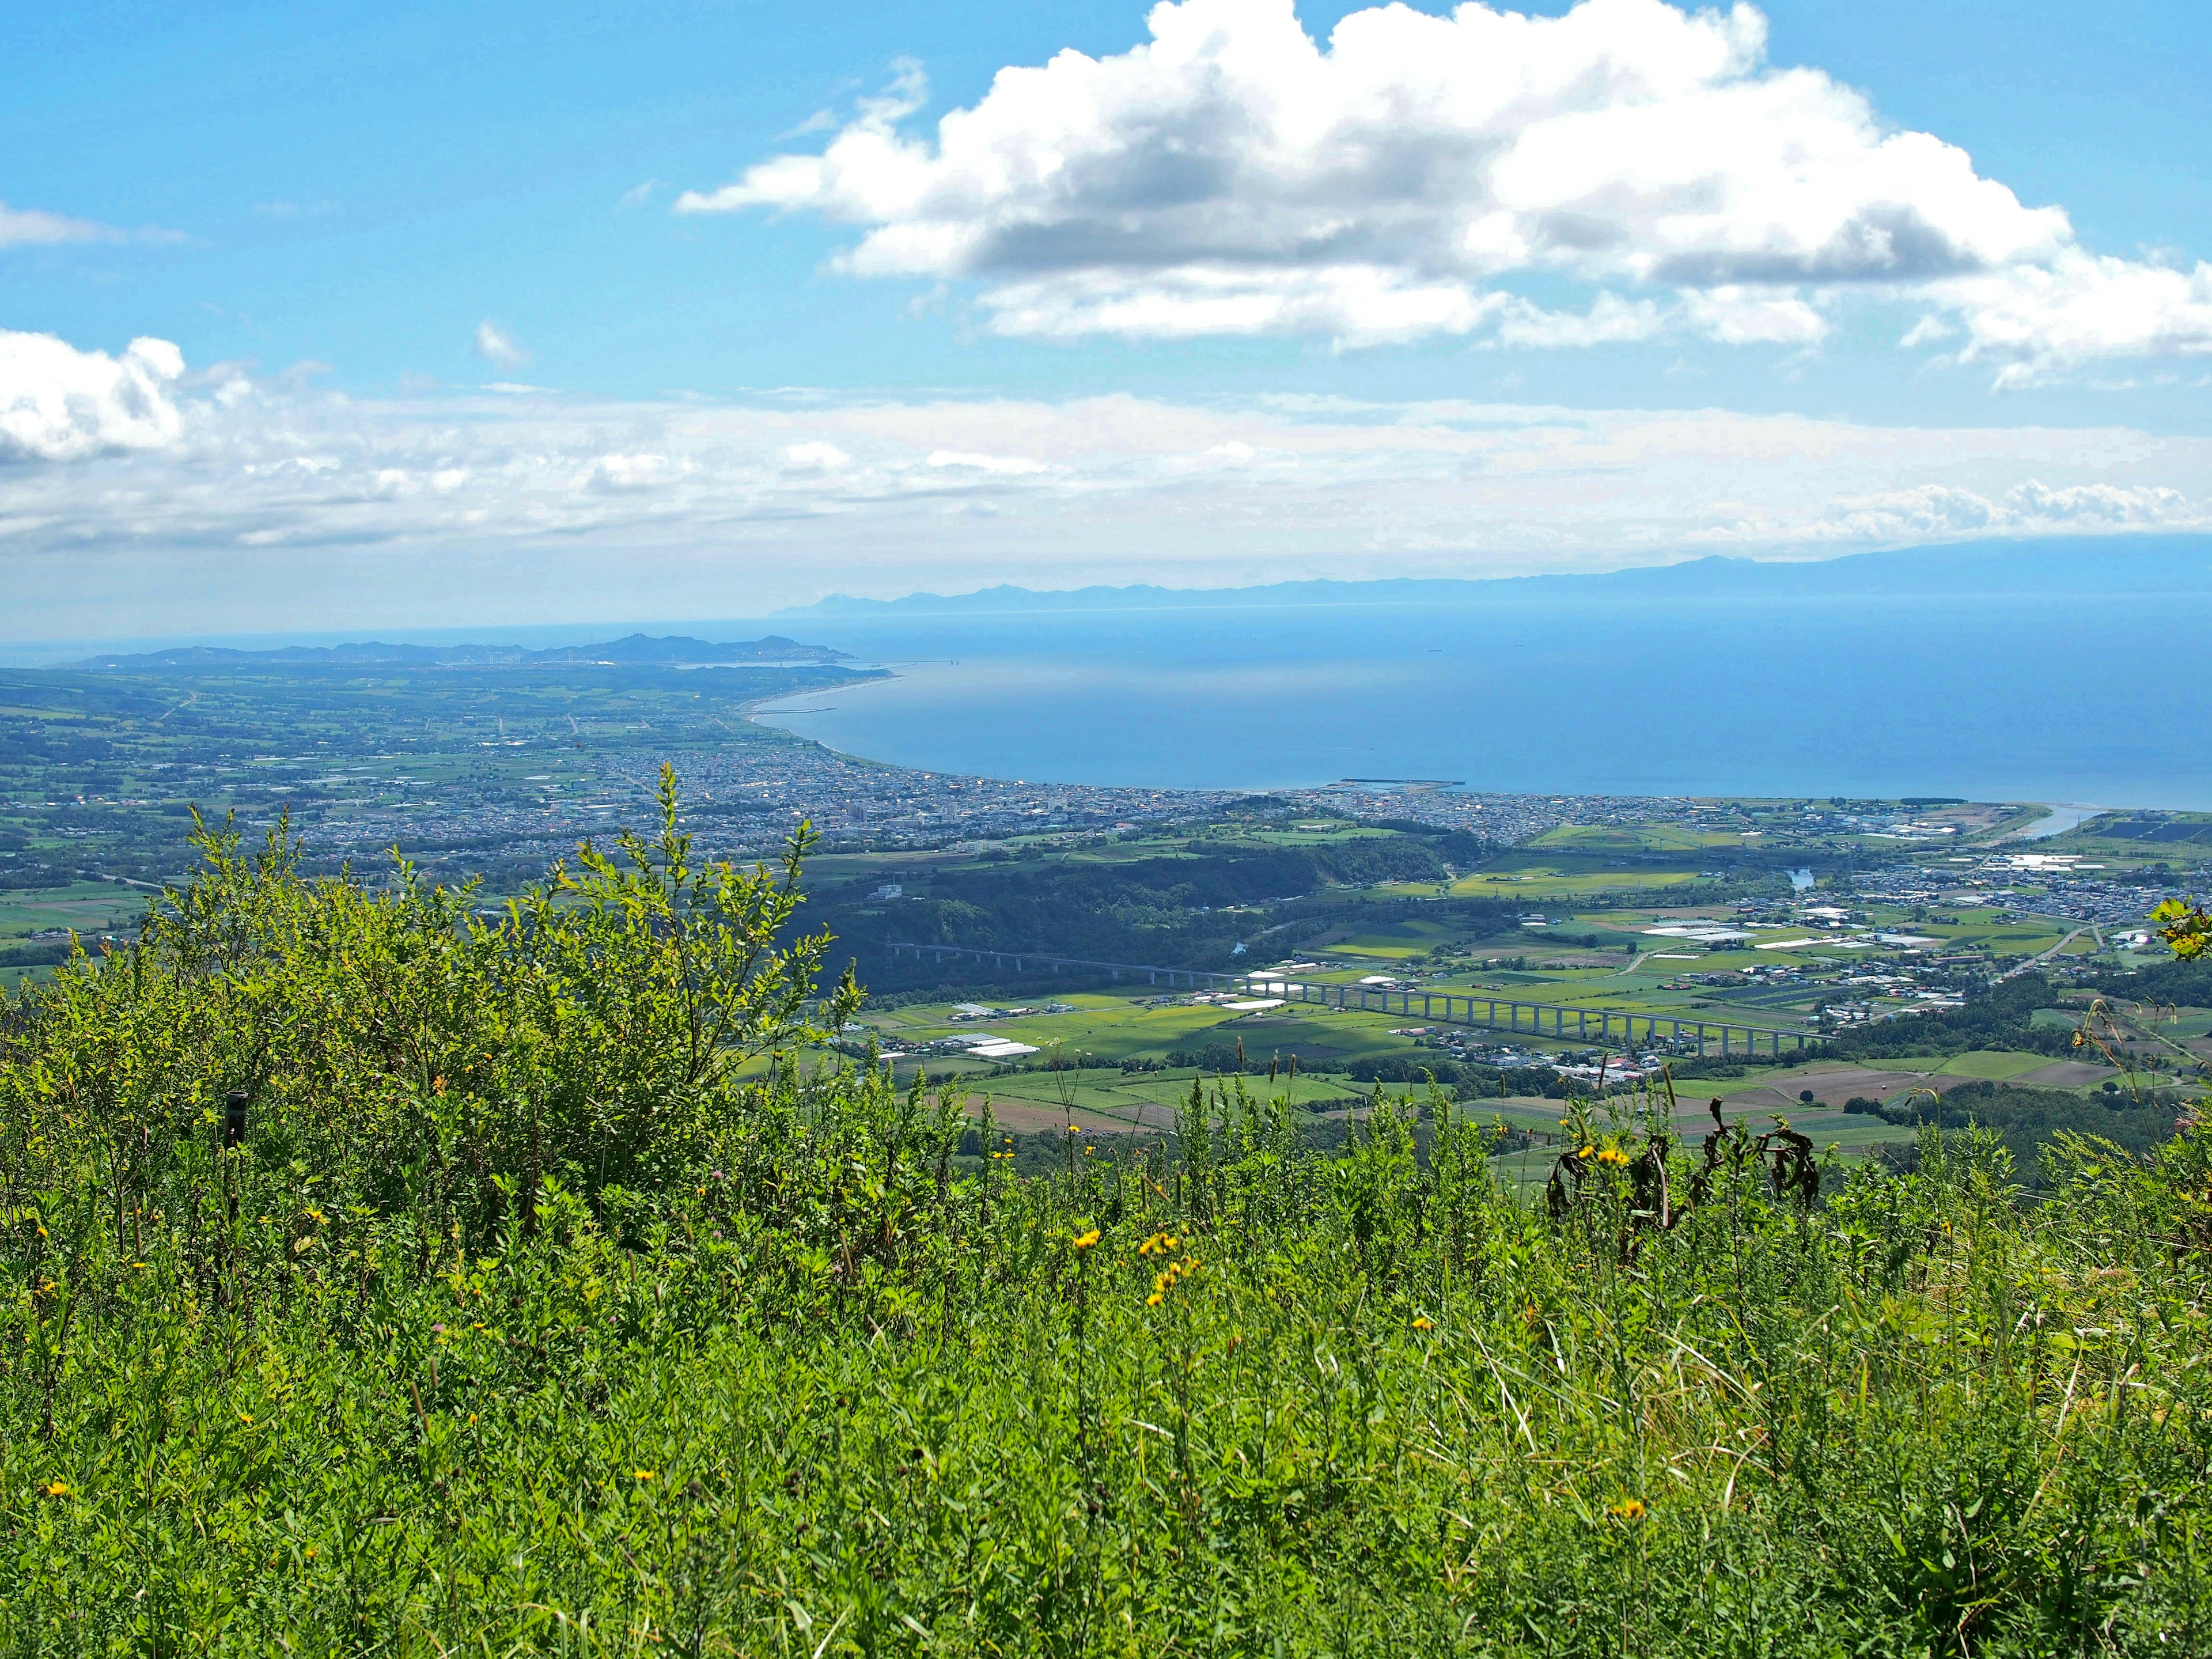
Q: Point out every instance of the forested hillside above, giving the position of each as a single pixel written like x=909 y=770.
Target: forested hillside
x=1181 y=911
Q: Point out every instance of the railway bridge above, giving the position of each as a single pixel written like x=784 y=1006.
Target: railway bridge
x=1565 y=1022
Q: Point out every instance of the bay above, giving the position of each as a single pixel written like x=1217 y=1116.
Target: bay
x=2071 y=696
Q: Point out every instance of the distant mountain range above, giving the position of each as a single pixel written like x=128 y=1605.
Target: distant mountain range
x=2107 y=566
x=637 y=651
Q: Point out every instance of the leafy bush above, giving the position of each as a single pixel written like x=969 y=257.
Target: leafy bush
x=2028 y=1120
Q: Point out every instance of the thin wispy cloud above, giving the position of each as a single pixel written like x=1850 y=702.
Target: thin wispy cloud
x=1233 y=176
x=119 y=452
x=35 y=228
x=494 y=344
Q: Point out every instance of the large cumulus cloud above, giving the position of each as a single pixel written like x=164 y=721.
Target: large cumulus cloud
x=58 y=403
x=1233 y=176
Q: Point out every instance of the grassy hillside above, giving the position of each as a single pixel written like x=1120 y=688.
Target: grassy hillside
x=515 y=1315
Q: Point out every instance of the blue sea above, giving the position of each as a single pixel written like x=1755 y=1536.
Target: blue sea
x=2060 y=697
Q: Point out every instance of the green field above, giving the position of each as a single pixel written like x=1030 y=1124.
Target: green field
x=1999 y=1067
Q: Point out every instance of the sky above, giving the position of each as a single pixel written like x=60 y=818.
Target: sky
x=322 y=316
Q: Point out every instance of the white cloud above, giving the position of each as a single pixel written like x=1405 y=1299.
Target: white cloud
x=1941 y=512
x=29 y=227
x=57 y=404
x=2101 y=506
x=1004 y=466
x=1232 y=176
x=288 y=209
x=495 y=345
x=1736 y=315
x=805 y=491
x=621 y=472
x=816 y=457
x=2037 y=321
x=1609 y=319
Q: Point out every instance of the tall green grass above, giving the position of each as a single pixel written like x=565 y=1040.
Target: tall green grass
x=519 y=1322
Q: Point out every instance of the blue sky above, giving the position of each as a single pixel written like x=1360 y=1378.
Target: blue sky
x=348 y=220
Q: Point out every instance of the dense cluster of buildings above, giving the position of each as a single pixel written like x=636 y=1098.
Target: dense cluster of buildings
x=747 y=797
x=2033 y=884
x=753 y=794
x=1504 y=820
x=744 y=799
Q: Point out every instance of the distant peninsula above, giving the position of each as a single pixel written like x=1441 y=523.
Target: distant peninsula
x=635 y=651
x=2144 y=564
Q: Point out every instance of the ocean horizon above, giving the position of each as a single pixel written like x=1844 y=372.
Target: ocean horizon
x=2068 y=693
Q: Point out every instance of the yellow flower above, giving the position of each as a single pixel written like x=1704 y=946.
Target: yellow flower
x=644 y=1474
x=1085 y=1241
x=1424 y=1323
x=1584 y=1151
x=57 y=1488
x=1153 y=1300
x=1629 y=1509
